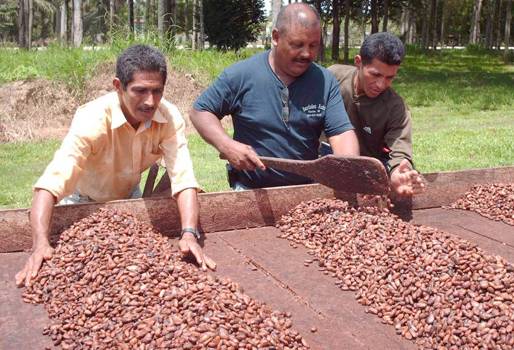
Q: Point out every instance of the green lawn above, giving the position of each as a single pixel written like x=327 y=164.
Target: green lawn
x=462 y=105
x=20 y=166
x=23 y=163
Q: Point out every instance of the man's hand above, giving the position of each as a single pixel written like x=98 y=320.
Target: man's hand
x=189 y=245
x=241 y=156
x=33 y=264
x=405 y=181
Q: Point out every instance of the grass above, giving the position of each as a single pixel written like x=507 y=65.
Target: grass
x=72 y=66
x=27 y=161
x=462 y=103
x=21 y=165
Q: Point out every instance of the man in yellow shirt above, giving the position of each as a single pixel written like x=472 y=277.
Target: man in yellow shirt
x=111 y=141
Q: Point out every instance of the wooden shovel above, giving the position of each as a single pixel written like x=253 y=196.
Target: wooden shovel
x=348 y=174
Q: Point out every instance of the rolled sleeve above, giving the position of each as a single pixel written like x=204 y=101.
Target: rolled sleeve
x=177 y=158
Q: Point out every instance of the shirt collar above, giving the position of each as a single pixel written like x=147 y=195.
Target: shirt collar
x=118 y=118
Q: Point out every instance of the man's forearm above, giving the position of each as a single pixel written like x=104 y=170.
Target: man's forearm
x=345 y=144
x=210 y=128
x=188 y=207
x=41 y=216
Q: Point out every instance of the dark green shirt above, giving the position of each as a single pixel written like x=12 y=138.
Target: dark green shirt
x=382 y=124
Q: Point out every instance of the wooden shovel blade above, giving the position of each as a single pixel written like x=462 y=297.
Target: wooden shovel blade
x=348 y=174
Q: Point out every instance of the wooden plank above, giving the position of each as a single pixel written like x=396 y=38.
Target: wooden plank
x=21 y=324
x=493 y=237
x=225 y=211
x=263 y=287
x=282 y=281
x=219 y=211
x=444 y=188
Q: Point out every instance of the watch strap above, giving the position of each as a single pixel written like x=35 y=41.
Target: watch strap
x=194 y=231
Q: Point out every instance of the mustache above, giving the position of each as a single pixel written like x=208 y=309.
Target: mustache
x=302 y=60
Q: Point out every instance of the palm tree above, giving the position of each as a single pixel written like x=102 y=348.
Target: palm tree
x=508 y=20
x=77 y=27
x=25 y=17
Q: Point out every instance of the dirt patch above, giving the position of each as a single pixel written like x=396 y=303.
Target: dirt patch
x=40 y=109
x=35 y=109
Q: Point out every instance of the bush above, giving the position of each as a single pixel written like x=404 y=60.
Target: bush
x=231 y=24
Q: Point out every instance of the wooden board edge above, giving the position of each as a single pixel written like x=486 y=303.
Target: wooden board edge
x=223 y=211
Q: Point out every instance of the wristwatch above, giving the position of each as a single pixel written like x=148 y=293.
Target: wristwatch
x=194 y=231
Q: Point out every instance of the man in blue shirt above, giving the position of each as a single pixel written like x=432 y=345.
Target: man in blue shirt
x=280 y=102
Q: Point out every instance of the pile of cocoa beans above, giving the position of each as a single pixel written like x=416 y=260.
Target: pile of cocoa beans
x=115 y=283
x=437 y=290
x=495 y=201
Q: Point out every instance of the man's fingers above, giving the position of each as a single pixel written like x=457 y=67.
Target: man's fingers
x=28 y=271
x=200 y=259
x=36 y=265
x=247 y=164
x=210 y=263
x=404 y=166
x=182 y=246
x=48 y=254
x=198 y=254
x=256 y=160
x=20 y=277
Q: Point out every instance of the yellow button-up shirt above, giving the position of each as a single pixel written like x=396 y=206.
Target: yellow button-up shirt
x=102 y=156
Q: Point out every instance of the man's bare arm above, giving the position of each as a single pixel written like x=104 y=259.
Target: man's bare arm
x=40 y=219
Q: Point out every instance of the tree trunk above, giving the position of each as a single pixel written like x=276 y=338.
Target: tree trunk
x=386 y=16
x=111 y=16
x=194 y=36
x=173 y=17
x=321 y=52
x=131 y=16
x=413 y=33
x=25 y=17
x=404 y=23
x=336 y=30
x=77 y=23
x=63 y=23
x=186 y=21
x=275 y=9
x=346 y=51
x=374 y=16
x=45 y=25
x=163 y=18
x=425 y=25
x=201 y=38
x=474 y=34
x=508 y=20
x=490 y=5
x=498 y=24
x=148 y=15
x=443 y=21
x=433 y=19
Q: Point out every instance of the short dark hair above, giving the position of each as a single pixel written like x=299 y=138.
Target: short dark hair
x=140 y=58
x=383 y=46
x=291 y=14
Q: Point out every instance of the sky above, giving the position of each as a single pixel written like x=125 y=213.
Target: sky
x=267 y=6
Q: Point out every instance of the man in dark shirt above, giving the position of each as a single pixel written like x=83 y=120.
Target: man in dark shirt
x=280 y=102
x=381 y=119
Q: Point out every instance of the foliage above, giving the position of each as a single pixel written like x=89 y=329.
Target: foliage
x=72 y=66
x=231 y=24
x=8 y=20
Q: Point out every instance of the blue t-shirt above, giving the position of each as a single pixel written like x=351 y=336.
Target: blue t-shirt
x=253 y=95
